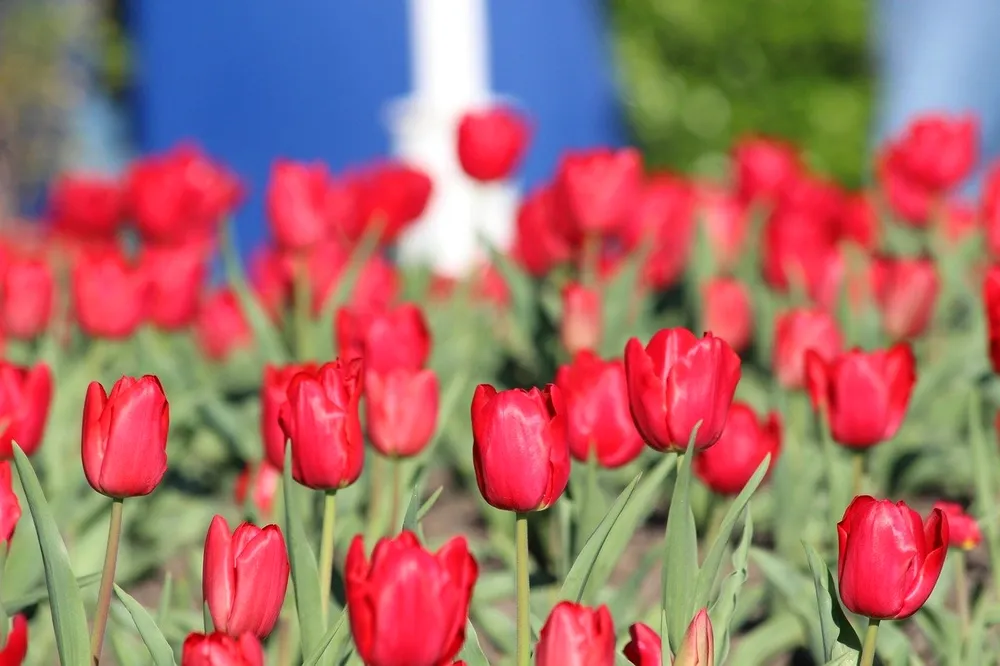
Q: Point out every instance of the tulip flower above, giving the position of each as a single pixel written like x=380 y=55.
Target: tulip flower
x=662 y=223
x=580 y=328
x=644 y=647
x=889 y=559
x=274 y=394
x=86 y=206
x=538 y=244
x=14 y=652
x=990 y=211
x=125 y=437
x=728 y=465
x=799 y=247
x=260 y=483
x=376 y=286
x=10 y=506
x=764 y=166
x=25 y=396
x=726 y=223
x=219 y=649
x=598 y=422
x=519 y=450
x=491 y=143
x=109 y=294
x=299 y=204
x=320 y=419
x=991 y=301
x=386 y=339
x=728 y=312
x=963 y=529
x=221 y=328
x=865 y=395
x=403 y=581
x=677 y=381
x=575 y=635
x=698 y=647
x=859 y=221
x=26 y=297
x=402 y=410
x=596 y=189
x=244 y=578
x=795 y=333
x=906 y=292
x=176 y=276
x=390 y=195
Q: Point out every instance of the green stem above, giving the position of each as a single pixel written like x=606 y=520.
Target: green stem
x=326 y=553
x=107 y=582
x=375 y=493
x=858 y=472
x=397 y=486
x=523 y=591
x=871 y=637
x=962 y=593
x=303 y=314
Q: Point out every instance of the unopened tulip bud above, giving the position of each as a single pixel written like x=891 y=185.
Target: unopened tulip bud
x=698 y=648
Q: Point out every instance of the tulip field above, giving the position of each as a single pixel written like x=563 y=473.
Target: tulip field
x=746 y=422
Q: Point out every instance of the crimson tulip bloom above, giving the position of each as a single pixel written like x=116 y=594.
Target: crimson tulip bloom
x=402 y=410
x=726 y=221
x=274 y=394
x=697 y=648
x=728 y=312
x=386 y=339
x=596 y=189
x=764 y=166
x=260 y=483
x=745 y=442
x=403 y=581
x=299 y=205
x=539 y=244
x=391 y=195
x=864 y=394
x=376 y=287
x=321 y=421
x=991 y=300
x=109 y=294
x=221 y=328
x=26 y=297
x=491 y=143
x=176 y=276
x=889 y=560
x=581 y=318
x=798 y=245
x=662 y=219
x=16 y=649
x=677 y=381
x=575 y=635
x=963 y=529
x=245 y=574
x=798 y=331
x=990 y=210
x=644 y=647
x=859 y=221
x=10 y=506
x=219 y=649
x=25 y=396
x=86 y=206
x=124 y=441
x=906 y=291
x=520 y=450
x=598 y=421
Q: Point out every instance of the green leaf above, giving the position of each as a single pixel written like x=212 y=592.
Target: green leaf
x=69 y=619
x=834 y=626
x=590 y=500
x=305 y=571
x=165 y=598
x=523 y=292
x=778 y=635
x=335 y=637
x=472 y=651
x=360 y=256
x=156 y=643
x=680 y=559
x=42 y=593
x=621 y=304
x=986 y=496
x=722 y=610
x=429 y=504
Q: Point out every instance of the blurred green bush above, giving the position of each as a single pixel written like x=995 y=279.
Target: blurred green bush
x=698 y=73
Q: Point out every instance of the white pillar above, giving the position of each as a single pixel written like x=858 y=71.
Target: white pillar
x=449 y=46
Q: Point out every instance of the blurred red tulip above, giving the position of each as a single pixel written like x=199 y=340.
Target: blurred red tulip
x=386 y=339
x=218 y=649
x=963 y=529
x=176 y=276
x=663 y=217
x=745 y=442
x=727 y=311
x=320 y=420
x=519 y=449
x=375 y=286
x=10 y=506
x=403 y=581
x=576 y=635
x=539 y=245
x=110 y=295
x=16 y=649
x=726 y=220
x=221 y=327
x=25 y=396
x=991 y=209
x=391 y=195
x=598 y=421
x=889 y=559
x=86 y=206
x=644 y=647
x=27 y=295
x=273 y=395
x=596 y=190
x=859 y=221
x=401 y=410
x=961 y=220
x=865 y=395
x=270 y=280
x=492 y=142
x=488 y=285
x=259 y=482
x=797 y=331
x=797 y=246
x=244 y=577
x=124 y=441
x=580 y=327
x=677 y=381
x=906 y=291
x=991 y=302
x=300 y=208
x=764 y=166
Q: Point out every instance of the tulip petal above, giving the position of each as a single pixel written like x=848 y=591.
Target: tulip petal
x=94 y=439
x=261 y=578
x=218 y=576
x=900 y=376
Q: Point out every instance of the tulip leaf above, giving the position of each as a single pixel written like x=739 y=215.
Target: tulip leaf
x=522 y=290
x=724 y=607
x=156 y=643
x=590 y=501
x=986 y=495
x=41 y=593
x=472 y=652
x=680 y=559
x=833 y=624
x=429 y=503
x=69 y=619
x=305 y=572
x=335 y=638
x=165 y=598
x=777 y=635
x=622 y=303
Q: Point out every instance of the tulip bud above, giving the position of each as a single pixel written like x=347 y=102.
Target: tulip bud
x=581 y=318
x=698 y=647
x=662 y=223
x=491 y=143
x=321 y=421
x=598 y=421
x=539 y=244
x=14 y=652
x=728 y=313
x=576 y=634
x=391 y=195
x=25 y=396
x=124 y=442
x=889 y=560
x=906 y=291
x=273 y=395
x=10 y=506
x=176 y=275
x=796 y=332
x=109 y=294
x=86 y=206
x=596 y=189
x=644 y=647
x=403 y=580
x=260 y=483
x=991 y=300
x=519 y=448
x=864 y=394
x=396 y=338
x=299 y=206
x=963 y=530
x=244 y=577
x=726 y=223
x=677 y=381
x=27 y=294
x=218 y=649
x=728 y=465
x=222 y=328
x=402 y=410
x=764 y=167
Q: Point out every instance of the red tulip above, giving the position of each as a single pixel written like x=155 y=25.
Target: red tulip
x=391 y=195
x=991 y=300
x=10 y=506
x=864 y=394
x=299 y=204
x=677 y=381
x=727 y=312
x=375 y=288
x=320 y=419
x=598 y=421
x=961 y=220
x=273 y=395
x=575 y=635
x=859 y=222
x=403 y=581
x=539 y=245
x=260 y=482
x=663 y=217
x=218 y=649
x=581 y=318
x=746 y=441
x=933 y=155
x=991 y=209
x=14 y=652
x=644 y=647
x=906 y=291
x=798 y=244
x=597 y=189
x=764 y=167
x=124 y=441
x=388 y=339
x=796 y=332
x=109 y=294
x=889 y=559
x=491 y=143
x=402 y=410
x=245 y=574
x=25 y=396
x=963 y=529
x=221 y=327
x=86 y=206
x=519 y=448
x=176 y=276
x=726 y=221
x=698 y=646
x=27 y=294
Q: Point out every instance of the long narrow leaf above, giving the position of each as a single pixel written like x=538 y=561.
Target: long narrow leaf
x=332 y=639
x=680 y=559
x=156 y=643
x=305 y=571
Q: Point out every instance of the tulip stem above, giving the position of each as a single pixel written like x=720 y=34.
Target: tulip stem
x=326 y=553
x=858 y=471
x=523 y=591
x=871 y=637
x=107 y=582
x=397 y=486
x=962 y=592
